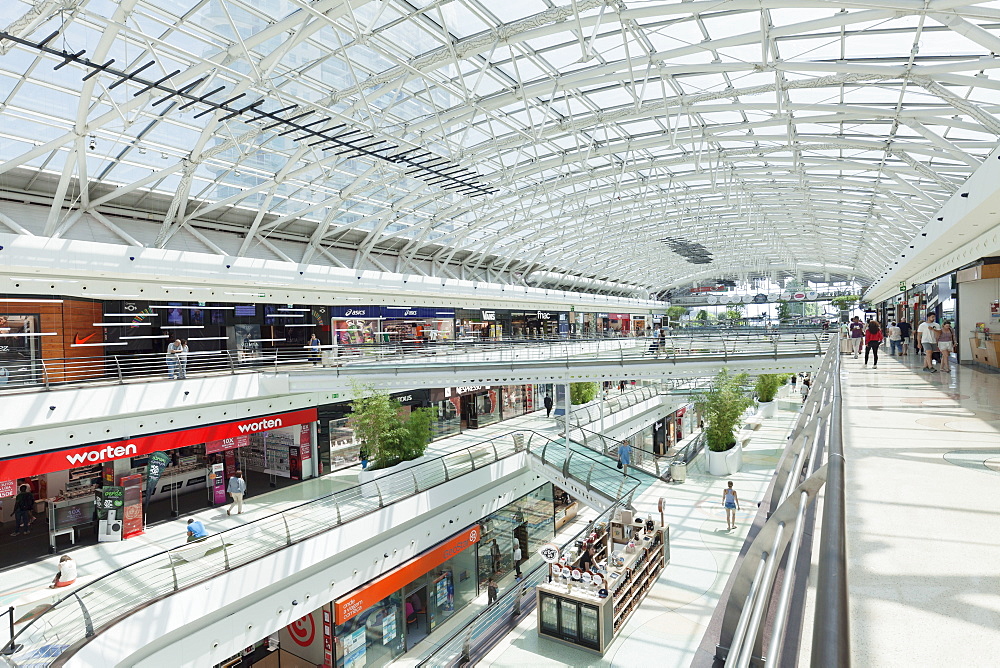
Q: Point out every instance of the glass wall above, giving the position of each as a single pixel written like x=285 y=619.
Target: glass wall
x=527 y=521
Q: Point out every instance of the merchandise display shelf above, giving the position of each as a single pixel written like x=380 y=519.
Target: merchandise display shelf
x=583 y=615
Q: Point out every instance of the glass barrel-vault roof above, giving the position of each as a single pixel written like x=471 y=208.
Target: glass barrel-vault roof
x=644 y=142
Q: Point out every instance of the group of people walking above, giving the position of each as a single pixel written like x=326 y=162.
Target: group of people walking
x=931 y=338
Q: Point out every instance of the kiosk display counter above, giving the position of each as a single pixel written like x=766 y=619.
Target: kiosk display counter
x=588 y=607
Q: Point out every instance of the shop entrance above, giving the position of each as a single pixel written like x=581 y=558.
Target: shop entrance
x=417 y=625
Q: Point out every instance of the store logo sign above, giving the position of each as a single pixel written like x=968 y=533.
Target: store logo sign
x=79 y=341
x=489 y=316
x=410 y=313
x=101 y=454
x=261 y=425
x=465 y=389
x=543 y=315
x=355 y=312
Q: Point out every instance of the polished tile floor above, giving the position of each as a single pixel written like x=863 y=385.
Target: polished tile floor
x=923 y=453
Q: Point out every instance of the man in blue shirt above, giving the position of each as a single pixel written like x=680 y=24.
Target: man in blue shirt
x=196 y=531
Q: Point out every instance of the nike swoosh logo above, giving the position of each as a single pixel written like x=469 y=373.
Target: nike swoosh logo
x=77 y=340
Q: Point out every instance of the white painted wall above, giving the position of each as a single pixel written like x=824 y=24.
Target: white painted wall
x=974 y=298
x=200 y=626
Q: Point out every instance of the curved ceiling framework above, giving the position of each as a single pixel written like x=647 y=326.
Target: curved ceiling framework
x=642 y=143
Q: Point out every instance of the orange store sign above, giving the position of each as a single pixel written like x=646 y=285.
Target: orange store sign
x=376 y=590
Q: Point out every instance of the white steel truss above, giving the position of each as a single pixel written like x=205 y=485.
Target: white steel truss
x=641 y=143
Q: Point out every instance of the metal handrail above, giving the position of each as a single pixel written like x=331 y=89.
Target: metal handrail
x=799 y=477
x=142 y=367
x=101 y=601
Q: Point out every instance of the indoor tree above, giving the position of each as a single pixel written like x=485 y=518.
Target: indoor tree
x=388 y=439
x=721 y=406
x=582 y=393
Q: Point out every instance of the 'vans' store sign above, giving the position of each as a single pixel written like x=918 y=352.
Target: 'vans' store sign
x=60 y=460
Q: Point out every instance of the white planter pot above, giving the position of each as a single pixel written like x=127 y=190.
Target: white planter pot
x=725 y=463
x=367 y=478
x=767 y=409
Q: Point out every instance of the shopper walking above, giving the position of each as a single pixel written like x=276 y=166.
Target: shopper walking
x=857 y=330
x=804 y=389
x=731 y=502
x=24 y=504
x=173 y=350
x=67 y=573
x=491 y=591
x=873 y=339
x=182 y=359
x=548 y=405
x=237 y=488
x=904 y=336
x=895 y=339
x=314 y=349
x=946 y=344
x=624 y=456
x=928 y=335
x=517 y=558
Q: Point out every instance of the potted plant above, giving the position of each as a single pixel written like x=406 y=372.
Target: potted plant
x=390 y=444
x=722 y=406
x=766 y=388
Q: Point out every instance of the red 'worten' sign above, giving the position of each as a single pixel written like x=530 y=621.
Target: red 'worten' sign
x=60 y=460
x=373 y=592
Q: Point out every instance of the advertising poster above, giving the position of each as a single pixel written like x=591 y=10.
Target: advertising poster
x=110 y=497
x=305 y=441
x=218 y=480
x=355 y=647
x=132 y=524
x=389 y=626
x=233 y=442
x=7 y=488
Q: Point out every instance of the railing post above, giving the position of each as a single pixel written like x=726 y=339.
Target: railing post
x=11 y=647
x=225 y=552
x=118 y=366
x=45 y=374
x=416 y=486
x=232 y=362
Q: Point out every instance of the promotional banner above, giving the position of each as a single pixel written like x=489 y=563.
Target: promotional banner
x=224 y=444
x=7 y=488
x=61 y=460
x=110 y=497
x=132 y=496
x=158 y=461
x=217 y=479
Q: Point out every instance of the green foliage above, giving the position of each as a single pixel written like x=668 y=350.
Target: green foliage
x=721 y=407
x=702 y=315
x=581 y=393
x=845 y=302
x=768 y=384
x=733 y=314
x=675 y=313
x=388 y=440
x=784 y=311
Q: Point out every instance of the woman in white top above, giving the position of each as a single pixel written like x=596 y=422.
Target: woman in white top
x=67 y=573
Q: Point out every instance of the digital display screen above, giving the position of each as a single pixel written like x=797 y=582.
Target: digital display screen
x=175 y=316
x=71 y=516
x=246 y=310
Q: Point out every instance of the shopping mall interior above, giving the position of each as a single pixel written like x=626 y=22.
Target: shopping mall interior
x=537 y=333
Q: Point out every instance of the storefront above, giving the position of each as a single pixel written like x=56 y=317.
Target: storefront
x=639 y=323
x=159 y=471
x=516 y=400
x=528 y=523
x=355 y=325
x=620 y=324
x=417 y=325
x=977 y=333
x=477 y=324
x=477 y=405
x=535 y=324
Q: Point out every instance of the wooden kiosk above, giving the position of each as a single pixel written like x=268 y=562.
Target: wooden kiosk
x=588 y=607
